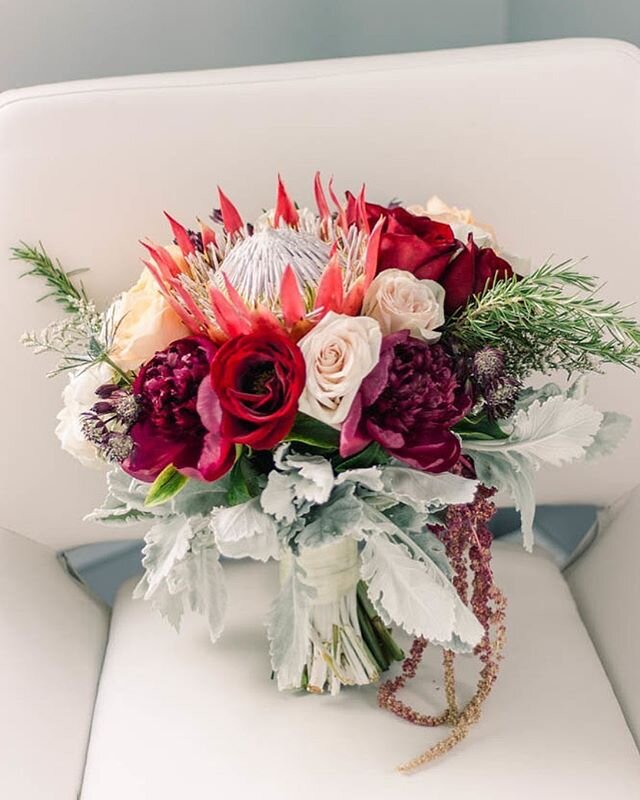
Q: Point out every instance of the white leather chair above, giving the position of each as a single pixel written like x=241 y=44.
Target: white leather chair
x=543 y=141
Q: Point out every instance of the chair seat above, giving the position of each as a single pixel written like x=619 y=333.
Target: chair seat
x=177 y=717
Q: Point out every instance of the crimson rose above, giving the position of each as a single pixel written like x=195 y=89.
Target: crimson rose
x=408 y=403
x=420 y=245
x=169 y=428
x=258 y=378
x=470 y=272
x=428 y=249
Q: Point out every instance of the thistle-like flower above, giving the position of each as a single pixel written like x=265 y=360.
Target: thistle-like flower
x=488 y=364
x=501 y=396
x=107 y=423
x=117 y=447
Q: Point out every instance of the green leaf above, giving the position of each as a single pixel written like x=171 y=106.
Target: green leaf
x=243 y=480
x=311 y=431
x=168 y=483
x=371 y=456
x=479 y=427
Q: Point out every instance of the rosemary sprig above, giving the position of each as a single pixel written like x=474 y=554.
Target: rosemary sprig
x=84 y=337
x=551 y=319
x=60 y=283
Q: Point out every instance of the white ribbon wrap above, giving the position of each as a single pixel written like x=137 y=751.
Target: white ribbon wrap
x=337 y=655
x=331 y=570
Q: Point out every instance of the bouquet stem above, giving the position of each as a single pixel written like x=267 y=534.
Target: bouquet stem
x=348 y=644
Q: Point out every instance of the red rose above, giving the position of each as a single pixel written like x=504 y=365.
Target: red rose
x=258 y=378
x=470 y=272
x=420 y=245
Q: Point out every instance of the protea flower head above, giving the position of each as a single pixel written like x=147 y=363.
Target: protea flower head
x=289 y=269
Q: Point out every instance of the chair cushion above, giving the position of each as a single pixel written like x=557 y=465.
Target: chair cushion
x=178 y=717
x=52 y=641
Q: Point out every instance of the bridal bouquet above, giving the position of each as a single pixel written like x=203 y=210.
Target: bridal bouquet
x=342 y=390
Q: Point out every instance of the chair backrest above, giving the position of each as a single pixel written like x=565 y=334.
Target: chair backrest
x=542 y=140
x=604 y=582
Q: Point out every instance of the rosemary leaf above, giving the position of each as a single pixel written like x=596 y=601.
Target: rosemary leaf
x=60 y=283
x=551 y=319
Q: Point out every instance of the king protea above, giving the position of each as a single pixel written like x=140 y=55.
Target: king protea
x=288 y=270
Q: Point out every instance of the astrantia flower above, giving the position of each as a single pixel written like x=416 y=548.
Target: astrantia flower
x=500 y=396
x=256 y=380
x=408 y=404
x=488 y=364
x=170 y=428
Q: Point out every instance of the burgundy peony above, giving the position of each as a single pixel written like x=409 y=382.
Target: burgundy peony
x=418 y=244
x=470 y=272
x=258 y=378
x=408 y=404
x=171 y=427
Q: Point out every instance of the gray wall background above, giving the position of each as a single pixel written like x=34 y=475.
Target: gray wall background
x=44 y=41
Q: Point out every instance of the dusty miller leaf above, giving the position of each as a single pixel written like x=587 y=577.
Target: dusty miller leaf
x=166 y=543
x=245 y=530
x=516 y=475
x=417 y=595
x=288 y=628
x=612 y=431
x=199 y=580
x=555 y=431
x=423 y=491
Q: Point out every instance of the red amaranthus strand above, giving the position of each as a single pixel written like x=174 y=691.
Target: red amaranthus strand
x=467 y=540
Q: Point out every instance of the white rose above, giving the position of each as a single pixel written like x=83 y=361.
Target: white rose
x=400 y=301
x=78 y=396
x=339 y=352
x=146 y=323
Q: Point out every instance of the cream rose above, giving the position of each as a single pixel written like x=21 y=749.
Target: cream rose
x=78 y=396
x=398 y=301
x=339 y=352
x=461 y=221
x=146 y=323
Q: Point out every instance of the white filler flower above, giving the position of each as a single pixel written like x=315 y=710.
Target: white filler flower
x=78 y=396
x=400 y=301
x=339 y=352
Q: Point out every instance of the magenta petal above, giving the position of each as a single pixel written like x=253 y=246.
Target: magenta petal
x=208 y=406
x=389 y=439
x=373 y=385
x=215 y=460
x=151 y=452
x=352 y=439
x=438 y=455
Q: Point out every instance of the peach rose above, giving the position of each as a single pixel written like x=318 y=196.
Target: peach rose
x=146 y=323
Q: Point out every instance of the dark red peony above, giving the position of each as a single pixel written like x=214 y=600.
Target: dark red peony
x=470 y=272
x=170 y=428
x=418 y=244
x=258 y=378
x=408 y=403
